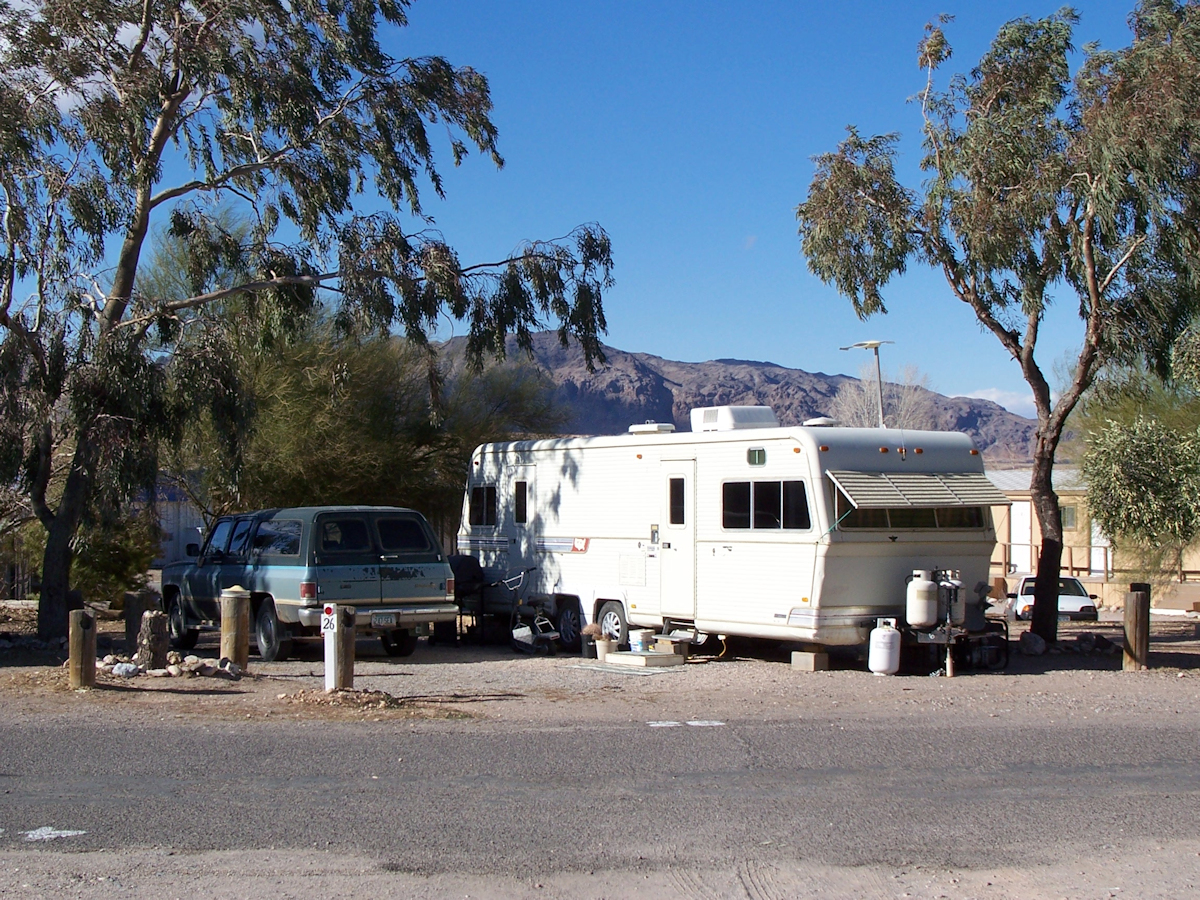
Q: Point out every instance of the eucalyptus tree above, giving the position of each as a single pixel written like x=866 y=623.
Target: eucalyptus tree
x=120 y=115
x=1041 y=186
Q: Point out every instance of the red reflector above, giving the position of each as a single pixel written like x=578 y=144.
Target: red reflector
x=449 y=585
x=308 y=590
x=329 y=610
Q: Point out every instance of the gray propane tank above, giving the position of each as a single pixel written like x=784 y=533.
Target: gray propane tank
x=956 y=600
x=883 y=656
x=921 y=600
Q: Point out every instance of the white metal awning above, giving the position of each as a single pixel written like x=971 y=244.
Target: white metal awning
x=890 y=490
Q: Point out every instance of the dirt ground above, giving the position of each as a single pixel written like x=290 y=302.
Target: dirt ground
x=489 y=685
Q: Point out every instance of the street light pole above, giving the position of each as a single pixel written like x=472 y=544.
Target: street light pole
x=874 y=345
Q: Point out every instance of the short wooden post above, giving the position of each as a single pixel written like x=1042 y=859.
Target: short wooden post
x=346 y=637
x=136 y=604
x=81 y=644
x=235 y=626
x=153 y=641
x=1137 y=628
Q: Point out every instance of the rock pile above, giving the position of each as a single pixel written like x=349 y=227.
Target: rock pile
x=1031 y=644
x=178 y=666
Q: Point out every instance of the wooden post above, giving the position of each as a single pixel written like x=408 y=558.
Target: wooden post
x=136 y=604
x=1137 y=629
x=346 y=636
x=235 y=626
x=153 y=641
x=81 y=643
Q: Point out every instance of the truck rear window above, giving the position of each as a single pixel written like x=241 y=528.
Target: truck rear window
x=344 y=535
x=402 y=534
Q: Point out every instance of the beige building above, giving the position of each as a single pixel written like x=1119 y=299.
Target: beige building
x=1087 y=552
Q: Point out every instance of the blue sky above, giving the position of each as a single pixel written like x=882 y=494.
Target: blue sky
x=687 y=130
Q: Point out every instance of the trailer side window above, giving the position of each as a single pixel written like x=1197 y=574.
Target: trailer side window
x=483 y=505
x=765 y=505
x=909 y=516
x=795 y=506
x=520 y=502
x=735 y=505
x=677 y=512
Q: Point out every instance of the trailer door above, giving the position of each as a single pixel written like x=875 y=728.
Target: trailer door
x=677 y=539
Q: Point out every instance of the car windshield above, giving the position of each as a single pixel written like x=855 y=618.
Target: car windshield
x=1067 y=587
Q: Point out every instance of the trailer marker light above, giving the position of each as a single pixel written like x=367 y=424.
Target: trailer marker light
x=918 y=450
x=795 y=449
x=824 y=448
x=974 y=452
x=883 y=450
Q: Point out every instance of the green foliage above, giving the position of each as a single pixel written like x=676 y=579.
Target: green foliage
x=1144 y=483
x=298 y=114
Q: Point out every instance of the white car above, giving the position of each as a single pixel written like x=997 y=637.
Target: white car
x=1074 y=602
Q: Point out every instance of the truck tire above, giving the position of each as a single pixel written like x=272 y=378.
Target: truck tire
x=273 y=637
x=568 y=624
x=182 y=637
x=401 y=642
x=612 y=622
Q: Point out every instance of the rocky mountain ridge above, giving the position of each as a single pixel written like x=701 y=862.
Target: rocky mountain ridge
x=640 y=387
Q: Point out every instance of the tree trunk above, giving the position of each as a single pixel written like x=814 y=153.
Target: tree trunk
x=61 y=526
x=1045 y=504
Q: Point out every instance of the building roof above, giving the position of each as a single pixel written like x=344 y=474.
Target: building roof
x=1016 y=481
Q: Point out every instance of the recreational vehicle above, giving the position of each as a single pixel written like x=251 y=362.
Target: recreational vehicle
x=742 y=527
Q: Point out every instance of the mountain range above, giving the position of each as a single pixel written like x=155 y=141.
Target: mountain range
x=633 y=388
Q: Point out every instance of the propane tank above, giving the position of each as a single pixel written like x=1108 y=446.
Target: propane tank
x=921 y=600
x=883 y=657
x=955 y=600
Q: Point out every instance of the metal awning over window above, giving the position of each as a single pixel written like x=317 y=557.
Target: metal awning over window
x=892 y=490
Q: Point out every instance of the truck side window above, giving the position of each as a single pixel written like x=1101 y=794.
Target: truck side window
x=520 y=502
x=241 y=535
x=483 y=505
x=677 y=513
x=219 y=538
x=278 y=537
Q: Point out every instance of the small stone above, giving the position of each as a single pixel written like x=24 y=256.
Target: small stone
x=158 y=673
x=206 y=670
x=1102 y=643
x=174 y=670
x=110 y=660
x=125 y=670
x=1085 y=643
x=174 y=658
x=191 y=659
x=1032 y=644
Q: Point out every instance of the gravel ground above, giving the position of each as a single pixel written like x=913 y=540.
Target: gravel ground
x=490 y=685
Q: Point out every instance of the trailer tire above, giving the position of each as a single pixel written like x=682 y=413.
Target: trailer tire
x=612 y=622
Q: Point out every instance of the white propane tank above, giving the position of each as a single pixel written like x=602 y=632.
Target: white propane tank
x=956 y=597
x=883 y=656
x=921 y=600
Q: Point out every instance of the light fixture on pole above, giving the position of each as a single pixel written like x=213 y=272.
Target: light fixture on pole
x=874 y=345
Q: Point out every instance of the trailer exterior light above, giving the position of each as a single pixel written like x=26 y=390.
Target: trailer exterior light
x=974 y=452
x=824 y=448
x=918 y=450
x=883 y=450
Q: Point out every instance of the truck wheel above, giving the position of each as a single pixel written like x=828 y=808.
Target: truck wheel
x=274 y=639
x=613 y=624
x=570 y=621
x=400 y=642
x=181 y=636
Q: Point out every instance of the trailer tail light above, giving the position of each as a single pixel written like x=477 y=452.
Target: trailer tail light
x=450 y=588
x=308 y=590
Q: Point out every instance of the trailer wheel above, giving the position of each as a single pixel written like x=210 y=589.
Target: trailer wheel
x=613 y=624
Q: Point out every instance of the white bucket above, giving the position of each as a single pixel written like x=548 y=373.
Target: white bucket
x=640 y=639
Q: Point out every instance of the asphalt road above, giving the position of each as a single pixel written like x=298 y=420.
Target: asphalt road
x=461 y=796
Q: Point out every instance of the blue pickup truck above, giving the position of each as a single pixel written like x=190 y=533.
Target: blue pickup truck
x=383 y=561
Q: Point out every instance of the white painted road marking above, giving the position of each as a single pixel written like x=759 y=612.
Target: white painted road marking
x=699 y=723
x=664 y=724
x=49 y=834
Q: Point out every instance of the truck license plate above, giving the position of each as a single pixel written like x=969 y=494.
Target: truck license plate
x=383 y=620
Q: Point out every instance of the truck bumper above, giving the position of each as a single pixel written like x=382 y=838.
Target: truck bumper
x=402 y=616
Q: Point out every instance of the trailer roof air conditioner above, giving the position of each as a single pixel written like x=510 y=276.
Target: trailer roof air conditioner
x=733 y=418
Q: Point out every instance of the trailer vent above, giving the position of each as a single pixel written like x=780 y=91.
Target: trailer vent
x=652 y=428
x=733 y=418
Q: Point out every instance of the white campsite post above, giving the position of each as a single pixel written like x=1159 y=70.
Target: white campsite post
x=329 y=628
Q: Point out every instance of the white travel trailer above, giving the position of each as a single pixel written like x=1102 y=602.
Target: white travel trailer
x=741 y=527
